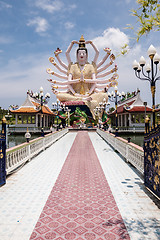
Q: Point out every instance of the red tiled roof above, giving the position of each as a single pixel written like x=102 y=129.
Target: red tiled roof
x=45 y=110
x=121 y=109
x=25 y=110
x=139 y=109
x=36 y=104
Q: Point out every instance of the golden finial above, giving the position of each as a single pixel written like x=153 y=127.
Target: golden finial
x=82 y=39
x=4 y=119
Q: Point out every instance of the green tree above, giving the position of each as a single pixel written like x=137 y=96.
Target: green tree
x=148 y=17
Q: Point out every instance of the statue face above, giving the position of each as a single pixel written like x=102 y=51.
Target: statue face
x=82 y=56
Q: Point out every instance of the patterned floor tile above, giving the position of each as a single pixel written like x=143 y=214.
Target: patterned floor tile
x=81 y=202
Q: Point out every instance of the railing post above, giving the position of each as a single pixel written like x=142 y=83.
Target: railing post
x=29 y=152
x=115 y=141
x=43 y=143
x=127 y=152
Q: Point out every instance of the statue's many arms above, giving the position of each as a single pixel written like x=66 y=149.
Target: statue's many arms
x=83 y=81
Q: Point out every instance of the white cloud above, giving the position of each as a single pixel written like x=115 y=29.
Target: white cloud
x=24 y=73
x=111 y=37
x=69 y=25
x=4 y=5
x=41 y=24
x=52 y=6
x=49 y=6
x=127 y=81
x=5 y=40
x=73 y=6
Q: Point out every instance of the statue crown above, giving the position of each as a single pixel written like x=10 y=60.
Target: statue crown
x=82 y=42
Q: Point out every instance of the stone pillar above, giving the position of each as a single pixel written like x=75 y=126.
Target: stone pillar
x=44 y=121
x=36 y=120
x=125 y=120
x=47 y=121
x=16 y=118
x=129 y=119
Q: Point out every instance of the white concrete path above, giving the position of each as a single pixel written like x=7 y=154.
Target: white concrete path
x=23 y=197
x=136 y=204
x=25 y=193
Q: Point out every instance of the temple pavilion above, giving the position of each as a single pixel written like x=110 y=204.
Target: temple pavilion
x=131 y=113
x=32 y=114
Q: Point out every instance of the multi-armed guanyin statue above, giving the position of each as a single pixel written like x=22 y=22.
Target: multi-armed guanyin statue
x=83 y=81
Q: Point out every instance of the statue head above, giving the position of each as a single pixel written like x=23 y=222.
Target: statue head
x=82 y=53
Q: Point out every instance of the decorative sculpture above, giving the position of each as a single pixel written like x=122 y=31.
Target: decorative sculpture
x=83 y=81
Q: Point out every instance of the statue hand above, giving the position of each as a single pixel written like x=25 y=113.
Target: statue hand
x=50 y=80
x=52 y=60
x=54 y=91
x=82 y=77
x=115 y=76
x=54 y=87
x=108 y=50
x=87 y=42
x=48 y=70
x=58 y=51
x=113 y=83
x=74 y=41
x=112 y=57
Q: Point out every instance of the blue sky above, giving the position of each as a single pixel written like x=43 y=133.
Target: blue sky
x=30 y=31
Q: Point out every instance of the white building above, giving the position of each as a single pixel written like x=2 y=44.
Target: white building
x=131 y=113
x=32 y=114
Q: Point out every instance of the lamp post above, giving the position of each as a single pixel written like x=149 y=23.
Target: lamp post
x=105 y=106
x=57 y=106
x=151 y=73
x=68 y=115
x=114 y=97
x=100 y=109
x=8 y=117
x=63 y=108
x=66 y=110
x=27 y=136
x=42 y=100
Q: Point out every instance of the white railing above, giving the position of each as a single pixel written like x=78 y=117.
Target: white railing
x=20 y=154
x=31 y=129
x=130 y=151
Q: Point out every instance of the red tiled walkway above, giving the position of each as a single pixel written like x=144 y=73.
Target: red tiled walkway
x=80 y=205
